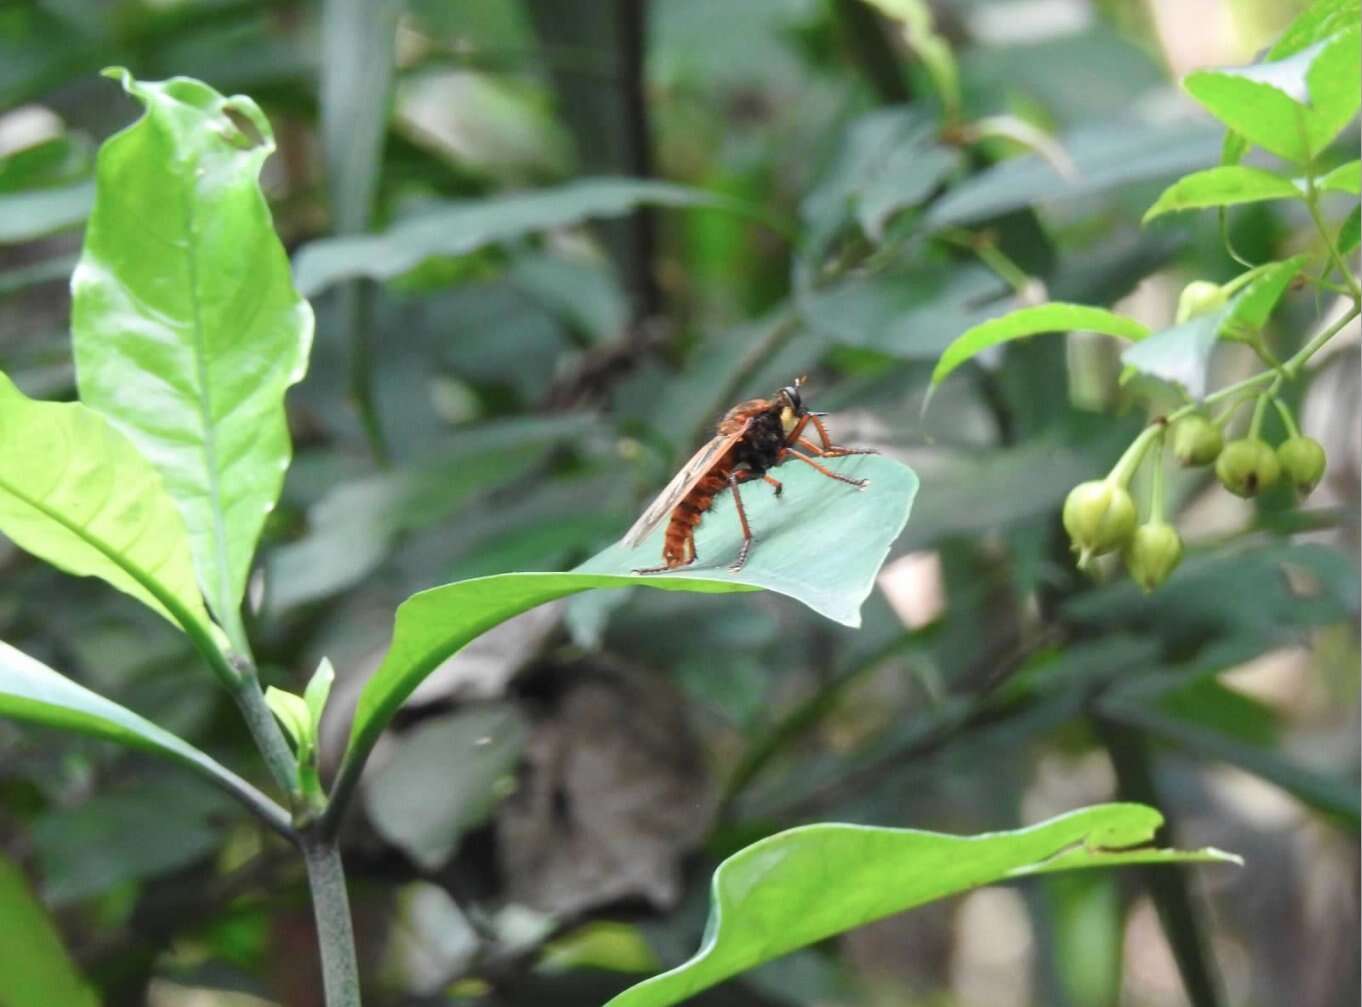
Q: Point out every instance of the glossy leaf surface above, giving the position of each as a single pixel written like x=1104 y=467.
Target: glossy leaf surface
x=76 y=493
x=808 y=883
x=187 y=327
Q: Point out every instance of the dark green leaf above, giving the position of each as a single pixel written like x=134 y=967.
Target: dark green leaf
x=1224 y=186
x=38 y=212
x=34 y=965
x=1054 y=317
x=774 y=896
x=76 y=493
x=187 y=327
x=1351 y=232
x=463 y=227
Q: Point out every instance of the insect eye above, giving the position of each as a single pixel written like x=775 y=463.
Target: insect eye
x=791 y=394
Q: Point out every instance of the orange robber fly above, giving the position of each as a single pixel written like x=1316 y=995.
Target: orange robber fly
x=753 y=438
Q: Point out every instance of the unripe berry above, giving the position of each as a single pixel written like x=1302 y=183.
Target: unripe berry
x=1099 y=517
x=1303 y=462
x=1247 y=467
x=1197 y=298
x=1196 y=441
x=1153 y=553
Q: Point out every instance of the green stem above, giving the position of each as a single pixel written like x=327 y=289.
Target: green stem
x=1312 y=204
x=1125 y=468
x=250 y=700
x=1259 y=411
x=1156 y=491
x=1288 y=420
x=331 y=909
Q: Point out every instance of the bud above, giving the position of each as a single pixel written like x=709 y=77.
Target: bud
x=1303 y=462
x=1247 y=467
x=1153 y=553
x=1196 y=441
x=1197 y=298
x=1099 y=516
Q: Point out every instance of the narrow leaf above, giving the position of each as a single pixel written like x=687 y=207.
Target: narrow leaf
x=1351 y=232
x=821 y=542
x=1345 y=178
x=774 y=896
x=32 y=692
x=292 y=713
x=317 y=692
x=34 y=965
x=36 y=213
x=458 y=228
x=1250 y=309
x=1223 y=186
x=76 y=493
x=1054 y=317
x=186 y=324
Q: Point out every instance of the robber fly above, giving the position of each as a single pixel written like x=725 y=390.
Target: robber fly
x=753 y=438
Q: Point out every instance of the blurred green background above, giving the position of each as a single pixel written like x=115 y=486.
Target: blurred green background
x=500 y=385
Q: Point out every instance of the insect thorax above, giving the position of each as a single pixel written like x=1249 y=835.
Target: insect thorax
x=760 y=447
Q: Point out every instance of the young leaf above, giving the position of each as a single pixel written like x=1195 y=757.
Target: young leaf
x=463 y=227
x=317 y=692
x=1053 y=317
x=187 y=328
x=32 y=692
x=75 y=492
x=821 y=542
x=34 y=965
x=1223 y=186
x=292 y=714
x=774 y=896
x=1346 y=177
x=1293 y=107
x=1257 y=299
x=1180 y=354
x=1321 y=20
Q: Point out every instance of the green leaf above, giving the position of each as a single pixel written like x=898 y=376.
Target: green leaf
x=1180 y=354
x=1250 y=309
x=317 y=692
x=1350 y=233
x=1054 y=317
x=186 y=324
x=1321 y=20
x=1223 y=186
x=76 y=493
x=821 y=542
x=775 y=895
x=1345 y=178
x=1293 y=107
x=292 y=713
x=34 y=965
x=458 y=228
x=34 y=693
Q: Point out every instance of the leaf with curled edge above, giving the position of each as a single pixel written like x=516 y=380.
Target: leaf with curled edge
x=186 y=325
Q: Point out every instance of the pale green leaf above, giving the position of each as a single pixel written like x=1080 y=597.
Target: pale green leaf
x=186 y=324
x=36 y=213
x=292 y=713
x=458 y=228
x=76 y=493
x=1345 y=178
x=32 y=692
x=1224 y=186
x=317 y=692
x=821 y=542
x=775 y=895
x=34 y=965
x=1321 y=20
x=1179 y=354
x=1053 y=317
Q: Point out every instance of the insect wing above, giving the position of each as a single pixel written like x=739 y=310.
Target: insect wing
x=682 y=483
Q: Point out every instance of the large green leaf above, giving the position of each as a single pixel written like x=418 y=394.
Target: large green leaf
x=76 y=493
x=187 y=327
x=34 y=965
x=1053 y=317
x=1293 y=107
x=821 y=542
x=32 y=692
x=1227 y=185
x=458 y=228
x=808 y=883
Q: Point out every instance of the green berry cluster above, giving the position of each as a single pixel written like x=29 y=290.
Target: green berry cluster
x=1101 y=517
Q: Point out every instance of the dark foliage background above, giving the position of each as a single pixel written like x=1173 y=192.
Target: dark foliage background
x=510 y=407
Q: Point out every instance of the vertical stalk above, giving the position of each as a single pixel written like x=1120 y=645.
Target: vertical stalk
x=265 y=729
x=331 y=909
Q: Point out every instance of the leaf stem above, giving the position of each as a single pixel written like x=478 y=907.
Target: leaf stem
x=1288 y=420
x=331 y=910
x=1156 y=489
x=1312 y=204
x=250 y=700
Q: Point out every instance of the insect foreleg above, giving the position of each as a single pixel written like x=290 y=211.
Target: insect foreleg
x=834 y=451
x=858 y=483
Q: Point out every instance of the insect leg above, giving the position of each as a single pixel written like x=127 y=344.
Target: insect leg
x=741 y=561
x=834 y=451
x=747 y=475
x=858 y=483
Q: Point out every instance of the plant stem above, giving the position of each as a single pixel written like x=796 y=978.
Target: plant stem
x=1312 y=204
x=265 y=729
x=331 y=909
x=1156 y=490
x=1288 y=420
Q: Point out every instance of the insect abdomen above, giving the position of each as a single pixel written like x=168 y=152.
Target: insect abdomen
x=678 y=546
